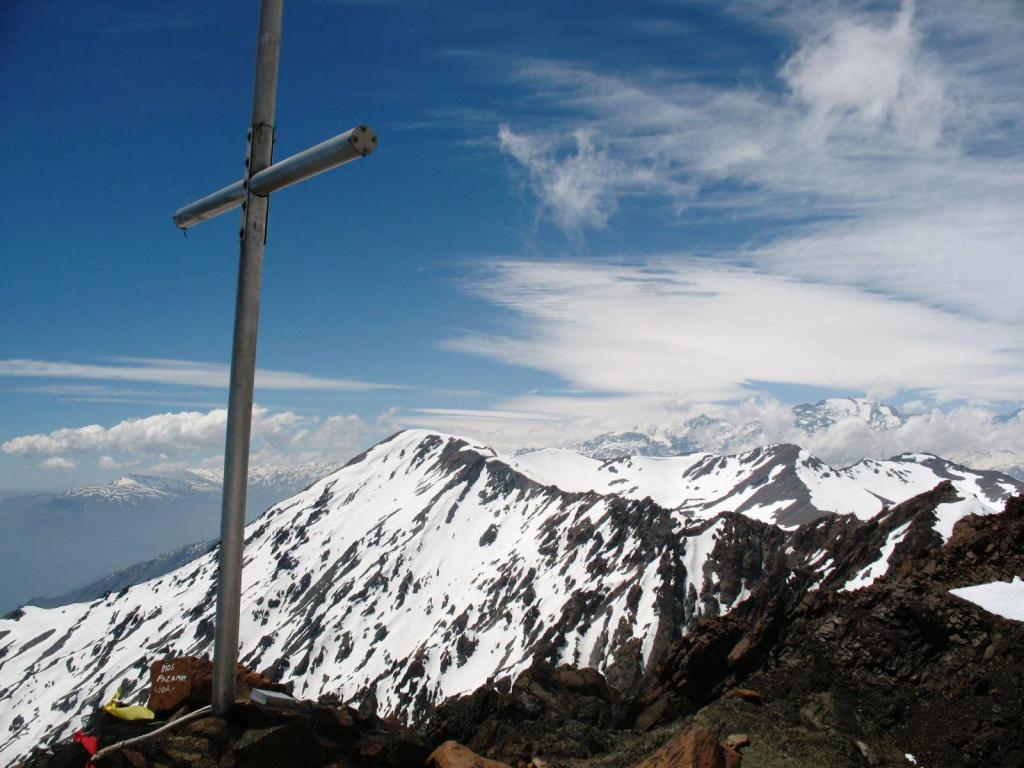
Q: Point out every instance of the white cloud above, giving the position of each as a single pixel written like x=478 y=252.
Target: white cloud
x=692 y=329
x=488 y=414
x=162 y=434
x=579 y=186
x=188 y=438
x=966 y=434
x=892 y=148
x=109 y=463
x=56 y=462
x=178 y=372
x=874 y=74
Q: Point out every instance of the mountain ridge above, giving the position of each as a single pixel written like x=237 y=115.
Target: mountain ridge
x=350 y=588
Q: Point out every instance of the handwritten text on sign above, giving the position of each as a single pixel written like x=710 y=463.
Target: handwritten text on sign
x=170 y=683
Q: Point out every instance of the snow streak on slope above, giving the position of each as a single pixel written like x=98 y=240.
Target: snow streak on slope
x=419 y=570
x=779 y=484
x=875 y=570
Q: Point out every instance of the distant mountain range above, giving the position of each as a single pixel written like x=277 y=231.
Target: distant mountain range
x=430 y=564
x=718 y=435
x=54 y=543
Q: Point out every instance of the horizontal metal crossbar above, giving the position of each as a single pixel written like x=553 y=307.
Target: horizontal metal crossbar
x=343 y=148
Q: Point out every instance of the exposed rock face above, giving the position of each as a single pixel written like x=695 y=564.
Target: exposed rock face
x=908 y=663
x=781 y=484
x=813 y=676
x=352 y=591
x=800 y=674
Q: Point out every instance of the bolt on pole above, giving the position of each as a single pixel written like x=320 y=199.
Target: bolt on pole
x=243 y=360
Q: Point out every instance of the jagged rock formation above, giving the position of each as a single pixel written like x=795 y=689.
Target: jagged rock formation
x=901 y=665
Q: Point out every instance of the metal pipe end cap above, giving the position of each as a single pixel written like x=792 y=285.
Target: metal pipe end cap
x=363 y=139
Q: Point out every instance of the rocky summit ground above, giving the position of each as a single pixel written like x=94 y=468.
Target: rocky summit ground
x=799 y=675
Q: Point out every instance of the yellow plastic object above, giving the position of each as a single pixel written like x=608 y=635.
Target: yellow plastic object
x=134 y=712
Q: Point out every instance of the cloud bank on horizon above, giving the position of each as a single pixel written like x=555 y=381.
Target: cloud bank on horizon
x=185 y=440
x=182 y=440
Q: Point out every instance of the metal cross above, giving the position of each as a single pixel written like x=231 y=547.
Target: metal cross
x=252 y=193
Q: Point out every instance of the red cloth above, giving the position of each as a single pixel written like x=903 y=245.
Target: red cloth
x=90 y=743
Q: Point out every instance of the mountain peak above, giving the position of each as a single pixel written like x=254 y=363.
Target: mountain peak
x=826 y=413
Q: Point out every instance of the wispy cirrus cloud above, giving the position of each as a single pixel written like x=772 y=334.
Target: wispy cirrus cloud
x=487 y=414
x=580 y=186
x=187 y=373
x=887 y=154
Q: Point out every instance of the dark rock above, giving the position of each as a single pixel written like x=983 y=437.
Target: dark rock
x=547 y=711
x=293 y=743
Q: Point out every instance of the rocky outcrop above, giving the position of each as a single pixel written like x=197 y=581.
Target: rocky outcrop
x=810 y=675
x=549 y=712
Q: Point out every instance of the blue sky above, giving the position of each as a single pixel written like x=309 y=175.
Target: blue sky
x=581 y=217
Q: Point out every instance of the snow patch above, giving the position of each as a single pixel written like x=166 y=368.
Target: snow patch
x=1003 y=598
x=949 y=514
x=878 y=568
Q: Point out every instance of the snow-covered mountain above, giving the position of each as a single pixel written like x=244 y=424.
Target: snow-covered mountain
x=838 y=429
x=430 y=564
x=701 y=433
x=780 y=484
x=57 y=542
x=824 y=413
x=719 y=435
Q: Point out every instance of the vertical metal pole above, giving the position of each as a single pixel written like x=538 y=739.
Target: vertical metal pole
x=243 y=361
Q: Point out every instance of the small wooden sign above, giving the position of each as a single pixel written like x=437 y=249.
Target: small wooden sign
x=170 y=683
